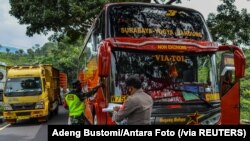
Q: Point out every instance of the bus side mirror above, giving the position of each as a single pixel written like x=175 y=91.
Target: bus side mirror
x=239 y=59
x=239 y=63
x=104 y=59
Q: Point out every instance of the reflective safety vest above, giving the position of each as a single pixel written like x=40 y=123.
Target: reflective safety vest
x=75 y=105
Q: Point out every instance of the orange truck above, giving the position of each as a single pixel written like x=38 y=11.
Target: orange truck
x=31 y=91
x=172 y=51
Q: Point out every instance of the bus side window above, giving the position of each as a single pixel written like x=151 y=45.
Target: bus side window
x=227 y=81
x=98 y=33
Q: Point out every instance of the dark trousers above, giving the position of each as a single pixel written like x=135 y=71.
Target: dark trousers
x=77 y=120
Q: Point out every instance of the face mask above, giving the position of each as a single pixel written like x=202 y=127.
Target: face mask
x=129 y=91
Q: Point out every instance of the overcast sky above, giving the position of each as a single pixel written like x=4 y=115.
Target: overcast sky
x=12 y=34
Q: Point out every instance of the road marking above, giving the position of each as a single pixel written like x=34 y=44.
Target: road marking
x=4 y=127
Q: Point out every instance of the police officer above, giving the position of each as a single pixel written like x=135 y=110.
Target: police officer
x=138 y=107
x=74 y=102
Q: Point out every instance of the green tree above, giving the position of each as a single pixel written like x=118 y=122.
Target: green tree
x=7 y=50
x=63 y=55
x=64 y=17
x=30 y=53
x=20 y=52
x=230 y=26
x=61 y=16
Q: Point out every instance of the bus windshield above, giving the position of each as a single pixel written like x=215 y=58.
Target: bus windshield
x=171 y=78
x=157 y=22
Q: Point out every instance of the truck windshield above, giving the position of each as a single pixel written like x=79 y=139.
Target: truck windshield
x=168 y=78
x=23 y=86
x=158 y=22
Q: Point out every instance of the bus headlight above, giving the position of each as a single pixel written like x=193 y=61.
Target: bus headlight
x=212 y=120
x=40 y=105
x=7 y=107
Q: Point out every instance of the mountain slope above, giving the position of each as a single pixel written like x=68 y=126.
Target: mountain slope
x=4 y=48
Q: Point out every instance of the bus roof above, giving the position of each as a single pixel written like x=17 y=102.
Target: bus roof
x=151 y=4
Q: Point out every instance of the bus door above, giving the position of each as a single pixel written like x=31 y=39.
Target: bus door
x=230 y=91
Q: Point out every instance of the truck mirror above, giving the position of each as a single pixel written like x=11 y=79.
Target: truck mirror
x=47 y=85
x=104 y=59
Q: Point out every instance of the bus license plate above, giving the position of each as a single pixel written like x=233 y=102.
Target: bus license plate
x=119 y=99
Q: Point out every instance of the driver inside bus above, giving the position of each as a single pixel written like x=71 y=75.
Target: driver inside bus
x=173 y=74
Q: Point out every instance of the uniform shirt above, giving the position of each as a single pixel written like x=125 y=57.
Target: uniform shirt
x=75 y=105
x=74 y=101
x=137 y=109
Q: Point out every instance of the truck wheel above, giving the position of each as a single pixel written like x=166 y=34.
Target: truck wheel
x=11 y=122
x=55 y=112
x=50 y=114
x=47 y=118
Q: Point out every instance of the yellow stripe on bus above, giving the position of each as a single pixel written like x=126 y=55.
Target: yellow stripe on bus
x=212 y=96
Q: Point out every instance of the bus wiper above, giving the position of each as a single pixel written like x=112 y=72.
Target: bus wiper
x=201 y=98
x=163 y=97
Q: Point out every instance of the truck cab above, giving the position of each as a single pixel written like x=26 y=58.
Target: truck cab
x=31 y=91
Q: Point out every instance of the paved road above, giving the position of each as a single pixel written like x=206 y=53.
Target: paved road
x=30 y=130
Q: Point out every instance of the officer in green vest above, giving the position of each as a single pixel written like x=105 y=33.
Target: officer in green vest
x=74 y=102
